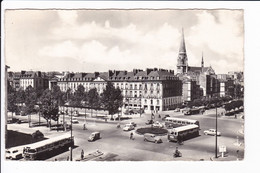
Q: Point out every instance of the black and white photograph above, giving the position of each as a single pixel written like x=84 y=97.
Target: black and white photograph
x=111 y=84
x=131 y=85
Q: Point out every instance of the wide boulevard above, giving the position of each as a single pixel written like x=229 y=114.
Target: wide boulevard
x=116 y=145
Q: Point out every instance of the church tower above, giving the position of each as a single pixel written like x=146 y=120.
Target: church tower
x=182 y=62
x=202 y=61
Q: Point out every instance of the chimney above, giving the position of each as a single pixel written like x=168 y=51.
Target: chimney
x=148 y=70
x=135 y=71
x=110 y=73
x=96 y=74
x=39 y=74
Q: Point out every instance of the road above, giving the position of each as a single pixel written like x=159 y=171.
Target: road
x=115 y=141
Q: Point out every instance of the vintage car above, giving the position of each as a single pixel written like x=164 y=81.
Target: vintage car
x=212 y=132
x=74 y=120
x=128 y=127
x=94 y=136
x=152 y=138
x=157 y=124
x=13 y=153
x=149 y=122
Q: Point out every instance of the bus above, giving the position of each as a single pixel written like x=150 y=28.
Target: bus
x=183 y=133
x=45 y=148
x=171 y=122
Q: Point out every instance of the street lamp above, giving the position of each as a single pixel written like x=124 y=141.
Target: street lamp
x=140 y=106
x=71 y=135
x=216 y=140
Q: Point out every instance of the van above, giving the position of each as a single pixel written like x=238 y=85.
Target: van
x=94 y=136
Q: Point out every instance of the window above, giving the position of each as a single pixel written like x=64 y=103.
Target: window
x=151 y=102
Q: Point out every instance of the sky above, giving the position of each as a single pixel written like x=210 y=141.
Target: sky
x=102 y=40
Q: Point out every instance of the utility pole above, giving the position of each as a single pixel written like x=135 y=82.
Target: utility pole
x=71 y=135
x=140 y=106
x=216 y=144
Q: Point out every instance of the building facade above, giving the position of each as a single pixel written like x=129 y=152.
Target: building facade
x=23 y=79
x=190 y=90
x=151 y=90
x=204 y=76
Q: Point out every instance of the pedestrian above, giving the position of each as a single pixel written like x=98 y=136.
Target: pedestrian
x=68 y=158
x=82 y=155
x=159 y=116
x=131 y=135
x=84 y=126
x=55 y=159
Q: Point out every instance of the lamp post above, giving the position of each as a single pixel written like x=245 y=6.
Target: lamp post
x=216 y=140
x=140 y=106
x=71 y=135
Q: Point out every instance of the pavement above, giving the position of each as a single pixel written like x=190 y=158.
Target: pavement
x=117 y=152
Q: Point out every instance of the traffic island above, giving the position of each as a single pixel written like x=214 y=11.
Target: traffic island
x=153 y=130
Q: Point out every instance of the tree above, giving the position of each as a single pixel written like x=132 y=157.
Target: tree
x=93 y=99
x=49 y=106
x=112 y=99
x=67 y=95
x=30 y=100
x=57 y=94
x=78 y=96
x=39 y=90
x=20 y=96
x=11 y=102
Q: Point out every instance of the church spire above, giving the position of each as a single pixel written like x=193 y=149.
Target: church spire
x=182 y=45
x=182 y=62
x=202 y=61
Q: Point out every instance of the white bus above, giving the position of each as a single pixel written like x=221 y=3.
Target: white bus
x=182 y=133
x=176 y=122
x=48 y=147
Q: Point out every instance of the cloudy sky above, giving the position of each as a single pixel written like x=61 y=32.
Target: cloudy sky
x=99 y=40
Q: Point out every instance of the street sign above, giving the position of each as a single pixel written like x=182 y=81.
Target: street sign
x=222 y=149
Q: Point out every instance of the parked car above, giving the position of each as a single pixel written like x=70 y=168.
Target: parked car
x=157 y=124
x=94 y=136
x=13 y=154
x=133 y=123
x=74 y=120
x=75 y=114
x=128 y=127
x=166 y=116
x=149 y=122
x=14 y=120
x=61 y=127
x=129 y=112
x=152 y=138
x=177 y=110
x=37 y=135
x=212 y=132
